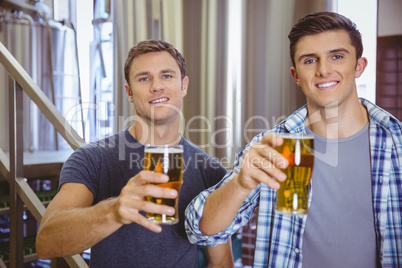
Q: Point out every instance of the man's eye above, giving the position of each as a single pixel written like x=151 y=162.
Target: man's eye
x=310 y=61
x=143 y=79
x=167 y=76
x=337 y=57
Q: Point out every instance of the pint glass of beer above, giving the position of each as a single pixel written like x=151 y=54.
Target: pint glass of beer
x=292 y=196
x=168 y=160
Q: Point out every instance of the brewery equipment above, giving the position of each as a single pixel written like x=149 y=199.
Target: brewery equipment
x=47 y=50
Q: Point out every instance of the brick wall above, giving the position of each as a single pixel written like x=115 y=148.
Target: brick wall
x=389 y=74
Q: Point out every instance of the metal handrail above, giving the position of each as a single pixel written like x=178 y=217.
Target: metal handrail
x=21 y=187
x=18 y=73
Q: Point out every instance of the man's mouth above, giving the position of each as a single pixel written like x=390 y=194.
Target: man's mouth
x=329 y=84
x=158 y=100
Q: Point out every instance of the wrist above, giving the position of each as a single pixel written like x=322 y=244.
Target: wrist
x=239 y=187
x=111 y=210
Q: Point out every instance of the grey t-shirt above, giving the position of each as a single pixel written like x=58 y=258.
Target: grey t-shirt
x=105 y=167
x=340 y=224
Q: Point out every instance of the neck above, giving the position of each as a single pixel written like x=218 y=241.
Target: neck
x=337 y=123
x=167 y=134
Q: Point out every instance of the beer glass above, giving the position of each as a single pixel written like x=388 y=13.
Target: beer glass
x=168 y=160
x=292 y=196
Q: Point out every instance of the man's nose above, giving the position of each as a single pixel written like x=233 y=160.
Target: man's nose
x=156 y=86
x=323 y=68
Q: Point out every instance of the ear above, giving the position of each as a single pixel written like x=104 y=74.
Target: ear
x=184 y=88
x=360 y=66
x=295 y=76
x=129 y=93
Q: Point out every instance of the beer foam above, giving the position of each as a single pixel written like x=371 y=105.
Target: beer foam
x=295 y=136
x=164 y=149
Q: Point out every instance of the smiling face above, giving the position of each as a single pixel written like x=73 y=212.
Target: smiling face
x=326 y=69
x=156 y=87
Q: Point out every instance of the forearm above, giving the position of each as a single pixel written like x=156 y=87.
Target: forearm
x=221 y=207
x=71 y=231
x=220 y=256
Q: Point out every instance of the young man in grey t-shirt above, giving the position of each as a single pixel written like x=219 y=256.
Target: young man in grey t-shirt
x=101 y=201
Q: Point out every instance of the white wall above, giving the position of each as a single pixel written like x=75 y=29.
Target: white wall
x=364 y=14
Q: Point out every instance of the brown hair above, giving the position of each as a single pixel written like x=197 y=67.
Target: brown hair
x=319 y=22
x=148 y=46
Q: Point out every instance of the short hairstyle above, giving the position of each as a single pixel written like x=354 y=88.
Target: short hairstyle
x=319 y=22
x=148 y=46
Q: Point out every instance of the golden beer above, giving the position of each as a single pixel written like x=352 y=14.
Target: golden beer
x=167 y=160
x=292 y=196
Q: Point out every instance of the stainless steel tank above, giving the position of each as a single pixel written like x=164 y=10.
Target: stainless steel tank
x=46 y=49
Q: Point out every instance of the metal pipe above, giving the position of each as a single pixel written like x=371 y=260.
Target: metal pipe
x=31 y=125
x=50 y=61
x=70 y=25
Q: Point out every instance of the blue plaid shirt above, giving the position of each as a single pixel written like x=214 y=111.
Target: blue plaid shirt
x=279 y=237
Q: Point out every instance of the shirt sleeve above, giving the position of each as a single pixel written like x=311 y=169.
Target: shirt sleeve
x=195 y=210
x=82 y=167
